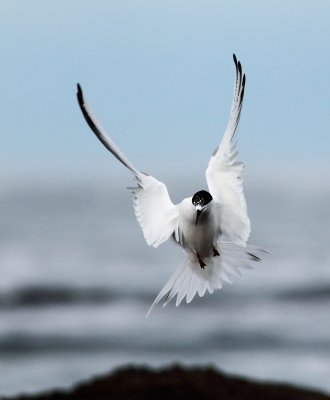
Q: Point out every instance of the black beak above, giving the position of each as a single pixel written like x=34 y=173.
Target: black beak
x=199 y=212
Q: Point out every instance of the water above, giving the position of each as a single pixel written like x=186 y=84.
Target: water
x=77 y=280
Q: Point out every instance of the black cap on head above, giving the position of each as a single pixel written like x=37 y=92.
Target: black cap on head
x=201 y=198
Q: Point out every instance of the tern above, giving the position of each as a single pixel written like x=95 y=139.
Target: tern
x=211 y=226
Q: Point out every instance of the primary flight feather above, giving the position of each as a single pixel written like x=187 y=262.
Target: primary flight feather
x=200 y=223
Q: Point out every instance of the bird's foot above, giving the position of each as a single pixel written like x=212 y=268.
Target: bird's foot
x=215 y=252
x=201 y=262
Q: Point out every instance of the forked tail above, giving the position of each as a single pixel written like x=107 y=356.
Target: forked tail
x=189 y=278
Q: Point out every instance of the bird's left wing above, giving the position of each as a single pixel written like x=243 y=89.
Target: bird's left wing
x=224 y=173
x=154 y=210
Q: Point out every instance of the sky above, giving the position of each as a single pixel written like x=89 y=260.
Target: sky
x=159 y=77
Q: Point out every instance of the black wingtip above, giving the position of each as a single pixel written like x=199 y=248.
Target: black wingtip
x=80 y=96
x=239 y=66
x=253 y=257
x=235 y=59
x=243 y=87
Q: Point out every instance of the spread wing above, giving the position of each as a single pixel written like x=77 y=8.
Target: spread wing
x=154 y=210
x=224 y=172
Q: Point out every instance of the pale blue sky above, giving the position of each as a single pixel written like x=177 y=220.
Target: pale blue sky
x=159 y=76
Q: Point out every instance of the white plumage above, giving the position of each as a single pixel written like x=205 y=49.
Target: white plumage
x=154 y=210
x=200 y=223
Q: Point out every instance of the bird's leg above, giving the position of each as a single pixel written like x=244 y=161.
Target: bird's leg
x=201 y=262
x=215 y=252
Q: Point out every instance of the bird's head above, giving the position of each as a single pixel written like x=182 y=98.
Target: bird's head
x=201 y=201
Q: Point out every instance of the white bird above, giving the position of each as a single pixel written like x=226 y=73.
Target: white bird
x=199 y=223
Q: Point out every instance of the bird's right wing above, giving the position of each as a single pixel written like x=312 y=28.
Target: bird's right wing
x=224 y=173
x=154 y=210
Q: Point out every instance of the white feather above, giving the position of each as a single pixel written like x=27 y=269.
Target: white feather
x=154 y=210
x=224 y=173
x=189 y=278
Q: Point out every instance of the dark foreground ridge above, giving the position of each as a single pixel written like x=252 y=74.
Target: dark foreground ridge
x=137 y=383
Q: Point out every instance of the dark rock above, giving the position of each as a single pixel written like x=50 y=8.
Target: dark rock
x=138 y=383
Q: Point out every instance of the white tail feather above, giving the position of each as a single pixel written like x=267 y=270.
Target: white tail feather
x=189 y=278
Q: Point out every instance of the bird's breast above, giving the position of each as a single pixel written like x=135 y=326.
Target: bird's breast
x=201 y=237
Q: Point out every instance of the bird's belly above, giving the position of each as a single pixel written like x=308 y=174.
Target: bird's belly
x=200 y=238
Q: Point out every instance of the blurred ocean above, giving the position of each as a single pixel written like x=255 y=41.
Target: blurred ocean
x=77 y=278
